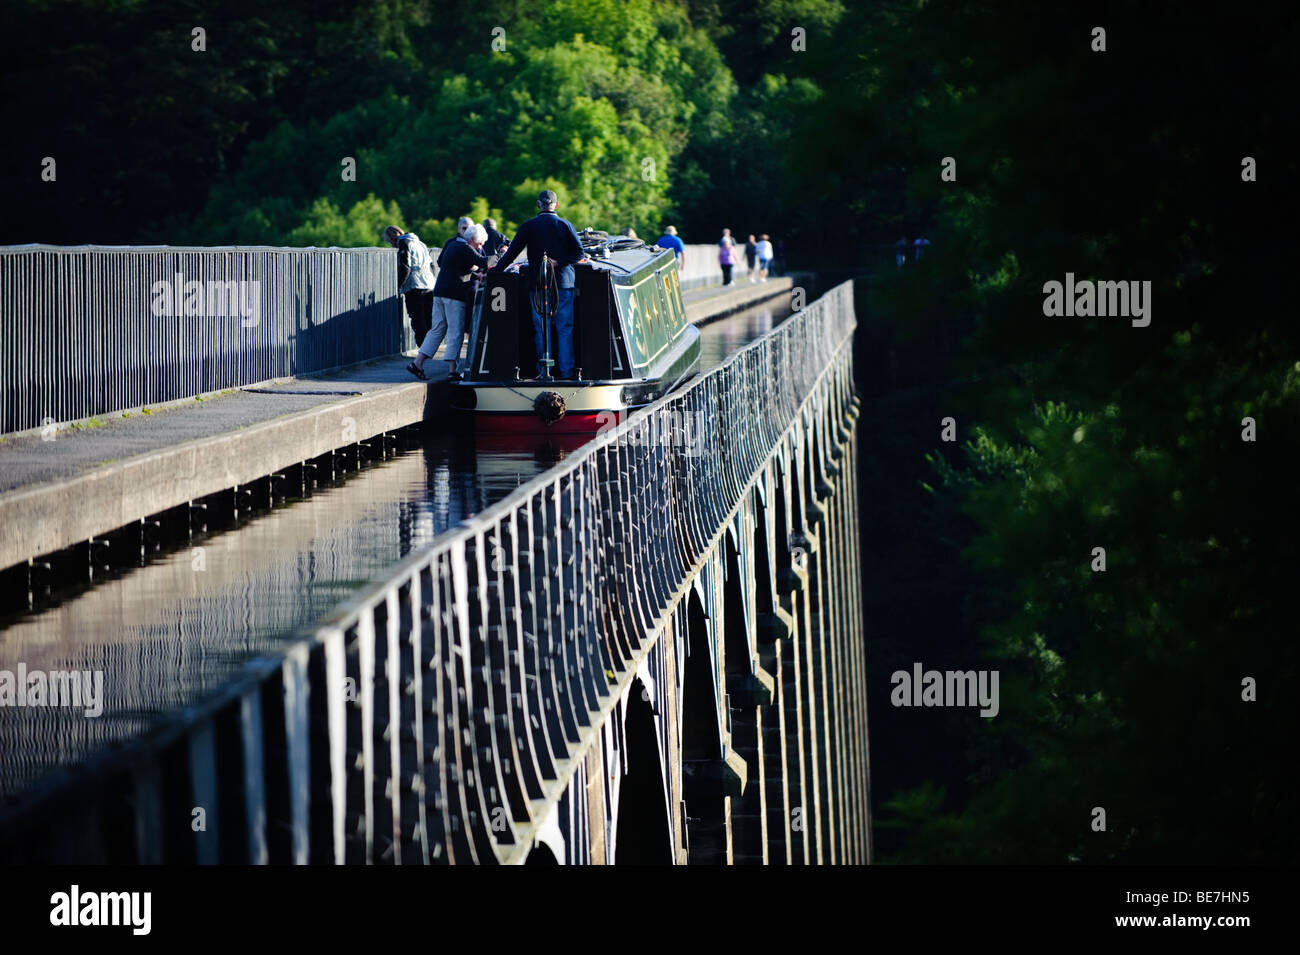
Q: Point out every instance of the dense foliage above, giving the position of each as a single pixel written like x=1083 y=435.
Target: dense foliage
x=1123 y=688
x=625 y=107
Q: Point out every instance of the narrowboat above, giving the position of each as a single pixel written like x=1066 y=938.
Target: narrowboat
x=632 y=341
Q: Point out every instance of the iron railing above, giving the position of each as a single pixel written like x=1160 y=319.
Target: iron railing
x=535 y=615
x=90 y=330
x=429 y=717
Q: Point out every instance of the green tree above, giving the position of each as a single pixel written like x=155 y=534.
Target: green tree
x=360 y=226
x=597 y=102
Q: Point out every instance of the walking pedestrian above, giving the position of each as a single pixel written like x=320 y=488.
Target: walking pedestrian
x=764 y=253
x=751 y=252
x=726 y=255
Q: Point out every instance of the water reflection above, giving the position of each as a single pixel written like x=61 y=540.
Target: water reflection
x=720 y=339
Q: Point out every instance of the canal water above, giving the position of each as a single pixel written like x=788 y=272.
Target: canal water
x=169 y=632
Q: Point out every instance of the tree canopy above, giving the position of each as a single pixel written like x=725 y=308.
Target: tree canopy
x=626 y=108
x=1128 y=676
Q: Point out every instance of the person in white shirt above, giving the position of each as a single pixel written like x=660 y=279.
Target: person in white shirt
x=414 y=279
x=763 y=250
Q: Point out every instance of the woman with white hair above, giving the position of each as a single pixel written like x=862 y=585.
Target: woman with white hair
x=453 y=295
x=463 y=223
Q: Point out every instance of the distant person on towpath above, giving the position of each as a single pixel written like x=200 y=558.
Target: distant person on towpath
x=726 y=255
x=751 y=252
x=669 y=240
x=547 y=236
x=414 y=278
x=900 y=251
x=764 y=252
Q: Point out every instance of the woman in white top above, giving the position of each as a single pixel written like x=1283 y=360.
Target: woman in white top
x=764 y=253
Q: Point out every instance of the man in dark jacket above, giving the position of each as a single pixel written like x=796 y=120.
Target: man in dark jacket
x=453 y=297
x=496 y=242
x=548 y=237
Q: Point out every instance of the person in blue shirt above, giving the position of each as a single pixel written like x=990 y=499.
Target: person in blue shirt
x=669 y=240
x=547 y=236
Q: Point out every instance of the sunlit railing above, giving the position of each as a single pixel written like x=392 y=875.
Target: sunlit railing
x=90 y=330
x=535 y=613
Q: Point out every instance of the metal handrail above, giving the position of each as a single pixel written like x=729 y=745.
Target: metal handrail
x=578 y=582
x=91 y=330
x=92 y=247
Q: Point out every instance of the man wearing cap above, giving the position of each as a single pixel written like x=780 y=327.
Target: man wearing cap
x=547 y=236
